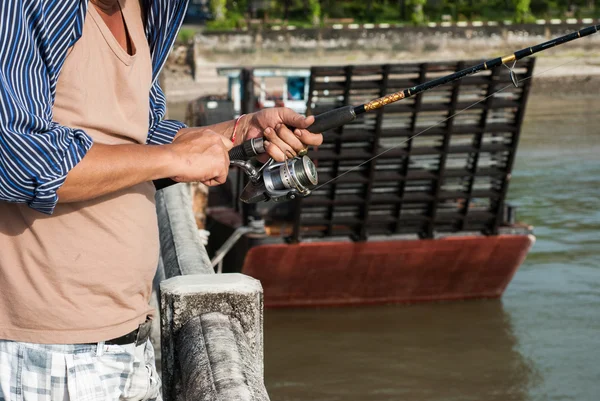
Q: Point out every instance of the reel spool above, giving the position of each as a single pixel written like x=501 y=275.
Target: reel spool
x=281 y=181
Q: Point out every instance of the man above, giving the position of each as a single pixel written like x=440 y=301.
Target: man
x=82 y=136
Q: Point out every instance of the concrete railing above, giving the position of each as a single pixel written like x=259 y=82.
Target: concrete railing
x=211 y=325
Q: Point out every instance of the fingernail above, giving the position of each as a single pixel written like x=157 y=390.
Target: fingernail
x=266 y=144
x=268 y=131
x=277 y=127
x=298 y=133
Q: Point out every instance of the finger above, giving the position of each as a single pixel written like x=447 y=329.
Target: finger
x=211 y=183
x=221 y=180
x=226 y=142
x=289 y=137
x=274 y=151
x=293 y=119
x=308 y=138
x=215 y=181
x=276 y=141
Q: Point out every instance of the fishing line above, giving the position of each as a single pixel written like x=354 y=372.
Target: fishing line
x=273 y=182
x=441 y=122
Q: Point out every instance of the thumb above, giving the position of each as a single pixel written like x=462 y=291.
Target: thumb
x=226 y=142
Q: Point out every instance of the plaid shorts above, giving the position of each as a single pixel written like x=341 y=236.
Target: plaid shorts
x=80 y=372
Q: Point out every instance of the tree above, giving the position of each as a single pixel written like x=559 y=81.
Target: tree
x=402 y=5
x=219 y=9
x=286 y=10
x=523 y=11
x=417 y=16
x=315 y=11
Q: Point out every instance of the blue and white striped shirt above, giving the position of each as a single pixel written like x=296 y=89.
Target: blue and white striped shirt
x=36 y=153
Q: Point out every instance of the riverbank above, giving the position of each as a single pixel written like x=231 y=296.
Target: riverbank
x=558 y=75
x=192 y=70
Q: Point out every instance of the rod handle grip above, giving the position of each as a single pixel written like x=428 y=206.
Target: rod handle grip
x=333 y=119
x=163 y=183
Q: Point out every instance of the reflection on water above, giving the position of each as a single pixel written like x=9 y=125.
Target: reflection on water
x=541 y=342
x=556 y=180
x=554 y=300
x=455 y=351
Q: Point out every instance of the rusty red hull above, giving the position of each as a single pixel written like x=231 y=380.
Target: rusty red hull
x=335 y=273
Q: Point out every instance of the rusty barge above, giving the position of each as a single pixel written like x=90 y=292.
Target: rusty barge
x=427 y=221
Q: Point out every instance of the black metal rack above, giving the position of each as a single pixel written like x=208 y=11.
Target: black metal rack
x=452 y=177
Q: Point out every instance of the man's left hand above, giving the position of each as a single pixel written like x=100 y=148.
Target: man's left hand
x=281 y=142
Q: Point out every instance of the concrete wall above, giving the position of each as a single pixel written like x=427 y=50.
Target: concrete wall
x=326 y=43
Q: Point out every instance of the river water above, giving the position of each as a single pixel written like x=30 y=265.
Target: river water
x=541 y=341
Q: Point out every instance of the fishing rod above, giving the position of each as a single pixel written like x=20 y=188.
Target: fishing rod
x=296 y=177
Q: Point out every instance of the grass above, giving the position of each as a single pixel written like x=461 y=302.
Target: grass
x=186 y=35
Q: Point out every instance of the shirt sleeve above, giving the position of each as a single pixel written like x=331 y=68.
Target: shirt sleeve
x=36 y=153
x=161 y=131
x=163 y=21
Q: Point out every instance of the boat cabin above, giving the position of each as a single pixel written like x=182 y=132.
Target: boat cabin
x=270 y=87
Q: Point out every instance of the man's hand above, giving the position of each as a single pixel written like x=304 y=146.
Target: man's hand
x=201 y=155
x=280 y=142
x=196 y=154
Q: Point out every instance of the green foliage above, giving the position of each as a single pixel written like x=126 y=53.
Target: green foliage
x=315 y=11
x=219 y=10
x=523 y=11
x=417 y=15
x=224 y=25
x=235 y=13
x=185 y=35
x=228 y=14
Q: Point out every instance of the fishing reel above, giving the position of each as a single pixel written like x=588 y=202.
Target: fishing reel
x=276 y=181
x=292 y=178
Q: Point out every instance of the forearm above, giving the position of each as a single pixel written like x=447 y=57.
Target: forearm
x=110 y=168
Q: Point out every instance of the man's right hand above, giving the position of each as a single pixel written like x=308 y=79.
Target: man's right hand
x=196 y=155
x=201 y=155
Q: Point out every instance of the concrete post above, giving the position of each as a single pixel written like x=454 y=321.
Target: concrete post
x=216 y=361
x=212 y=326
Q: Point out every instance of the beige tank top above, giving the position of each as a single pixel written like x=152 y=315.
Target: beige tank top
x=84 y=274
